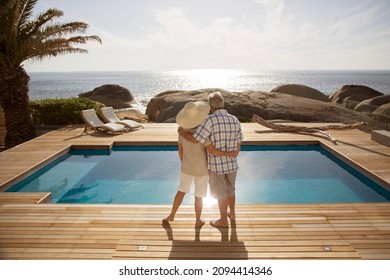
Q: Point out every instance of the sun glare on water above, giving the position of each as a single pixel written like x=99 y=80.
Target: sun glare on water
x=210 y=78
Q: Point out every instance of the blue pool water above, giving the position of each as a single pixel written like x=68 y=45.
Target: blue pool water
x=150 y=175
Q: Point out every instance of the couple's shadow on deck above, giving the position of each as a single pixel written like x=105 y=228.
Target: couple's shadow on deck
x=226 y=247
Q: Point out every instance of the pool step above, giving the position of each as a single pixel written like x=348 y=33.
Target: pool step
x=22 y=197
x=381 y=137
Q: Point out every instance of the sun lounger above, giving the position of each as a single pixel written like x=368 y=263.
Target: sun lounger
x=92 y=121
x=109 y=115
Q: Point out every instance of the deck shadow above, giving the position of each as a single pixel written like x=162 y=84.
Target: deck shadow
x=360 y=147
x=229 y=247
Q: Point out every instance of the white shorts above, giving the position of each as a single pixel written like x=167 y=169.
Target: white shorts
x=199 y=181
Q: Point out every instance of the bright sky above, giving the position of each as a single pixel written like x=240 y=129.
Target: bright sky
x=226 y=34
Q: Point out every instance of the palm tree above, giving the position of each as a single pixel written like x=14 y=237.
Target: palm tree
x=22 y=38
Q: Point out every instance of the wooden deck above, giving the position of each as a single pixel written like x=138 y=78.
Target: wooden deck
x=32 y=229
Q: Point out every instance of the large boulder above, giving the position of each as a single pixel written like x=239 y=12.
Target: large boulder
x=383 y=110
x=370 y=105
x=165 y=106
x=353 y=94
x=302 y=91
x=111 y=95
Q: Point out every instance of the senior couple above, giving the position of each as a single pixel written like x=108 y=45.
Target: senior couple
x=208 y=147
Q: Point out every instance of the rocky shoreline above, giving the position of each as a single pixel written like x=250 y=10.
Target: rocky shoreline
x=290 y=102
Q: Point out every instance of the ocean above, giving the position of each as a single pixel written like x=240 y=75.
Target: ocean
x=144 y=85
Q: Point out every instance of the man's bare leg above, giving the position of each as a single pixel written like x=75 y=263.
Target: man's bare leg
x=222 y=221
x=232 y=207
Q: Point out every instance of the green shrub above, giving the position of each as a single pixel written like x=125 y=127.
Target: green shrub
x=61 y=111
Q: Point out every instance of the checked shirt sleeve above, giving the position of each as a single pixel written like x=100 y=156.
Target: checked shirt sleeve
x=203 y=131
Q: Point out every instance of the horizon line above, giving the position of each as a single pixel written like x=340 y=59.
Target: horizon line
x=202 y=69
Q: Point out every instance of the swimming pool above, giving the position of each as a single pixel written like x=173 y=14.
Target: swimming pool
x=150 y=175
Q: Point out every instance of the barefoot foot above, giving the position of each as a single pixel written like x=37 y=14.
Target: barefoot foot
x=170 y=218
x=199 y=223
x=219 y=223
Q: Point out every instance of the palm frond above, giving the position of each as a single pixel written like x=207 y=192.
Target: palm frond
x=59 y=30
x=59 y=46
x=24 y=38
x=42 y=19
x=18 y=13
x=27 y=11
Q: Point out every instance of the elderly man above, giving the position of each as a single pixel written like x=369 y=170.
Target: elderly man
x=224 y=131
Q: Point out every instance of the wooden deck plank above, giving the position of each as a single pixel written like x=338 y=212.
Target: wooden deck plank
x=32 y=230
x=110 y=240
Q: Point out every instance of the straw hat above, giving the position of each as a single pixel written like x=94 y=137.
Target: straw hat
x=193 y=114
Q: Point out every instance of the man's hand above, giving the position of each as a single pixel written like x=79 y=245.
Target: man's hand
x=188 y=136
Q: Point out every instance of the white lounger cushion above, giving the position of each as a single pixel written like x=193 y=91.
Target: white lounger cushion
x=114 y=127
x=109 y=115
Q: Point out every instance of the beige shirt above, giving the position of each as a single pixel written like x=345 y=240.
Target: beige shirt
x=194 y=158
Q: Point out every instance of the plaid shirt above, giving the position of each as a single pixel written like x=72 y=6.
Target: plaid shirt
x=225 y=133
